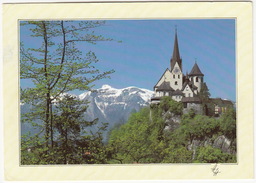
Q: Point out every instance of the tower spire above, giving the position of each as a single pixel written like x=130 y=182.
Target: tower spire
x=196 y=71
x=176 y=54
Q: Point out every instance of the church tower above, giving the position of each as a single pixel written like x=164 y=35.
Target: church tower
x=176 y=66
x=197 y=77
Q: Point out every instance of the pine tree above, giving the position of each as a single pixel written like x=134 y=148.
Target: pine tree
x=204 y=95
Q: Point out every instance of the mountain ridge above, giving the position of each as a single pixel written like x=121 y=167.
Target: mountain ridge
x=109 y=105
x=113 y=105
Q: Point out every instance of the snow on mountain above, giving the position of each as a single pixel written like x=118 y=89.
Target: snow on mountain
x=111 y=105
x=109 y=93
x=106 y=97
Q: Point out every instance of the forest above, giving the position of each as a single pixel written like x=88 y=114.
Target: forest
x=143 y=139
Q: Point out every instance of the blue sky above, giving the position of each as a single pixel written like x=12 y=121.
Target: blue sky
x=147 y=47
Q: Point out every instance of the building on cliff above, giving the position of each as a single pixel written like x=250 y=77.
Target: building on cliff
x=179 y=86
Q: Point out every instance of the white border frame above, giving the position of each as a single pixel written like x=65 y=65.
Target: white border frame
x=242 y=11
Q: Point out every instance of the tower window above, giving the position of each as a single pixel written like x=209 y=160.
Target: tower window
x=176 y=83
x=196 y=79
x=179 y=76
x=173 y=76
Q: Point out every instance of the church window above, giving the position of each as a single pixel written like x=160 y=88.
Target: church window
x=179 y=76
x=173 y=76
x=196 y=79
x=176 y=82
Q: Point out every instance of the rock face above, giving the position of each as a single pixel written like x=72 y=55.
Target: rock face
x=221 y=142
x=198 y=109
x=172 y=121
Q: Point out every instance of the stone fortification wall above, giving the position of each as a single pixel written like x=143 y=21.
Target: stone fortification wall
x=196 y=107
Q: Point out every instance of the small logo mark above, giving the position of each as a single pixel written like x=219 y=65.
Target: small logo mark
x=215 y=170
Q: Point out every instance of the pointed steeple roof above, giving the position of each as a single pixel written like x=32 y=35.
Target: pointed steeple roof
x=176 y=54
x=196 y=71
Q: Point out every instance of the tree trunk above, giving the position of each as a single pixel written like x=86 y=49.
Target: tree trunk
x=66 y=145
x=47 y=112
x=51 y=124
x=47 y=122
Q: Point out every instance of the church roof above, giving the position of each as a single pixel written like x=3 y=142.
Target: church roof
x=167 y=70
x=165 y=86
x=177 y=92
x=196 y=71
x=221 y=102
x=190 y=84
x=176 y=54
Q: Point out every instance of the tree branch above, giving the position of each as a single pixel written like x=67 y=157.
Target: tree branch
x=63 y=55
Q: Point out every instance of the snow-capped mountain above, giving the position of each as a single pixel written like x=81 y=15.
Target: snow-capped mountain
x=110 y=105
x=113 y=105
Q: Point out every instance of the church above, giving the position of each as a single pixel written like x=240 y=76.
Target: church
x=179 y=86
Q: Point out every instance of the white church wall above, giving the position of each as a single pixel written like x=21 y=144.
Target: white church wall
x=198 y=82
x=176 y=78
x=188 y=92
x=166 y=77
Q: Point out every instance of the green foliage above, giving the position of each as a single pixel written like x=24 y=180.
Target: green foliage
x=70 y=124
x=32 y=150
x=191 y=114
x=228 y=124
x=129 y=143
x=168 y=104
x=177 y=155
x=204 y=93
x=199 y=127
x=213 y=155
x=143 y=138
